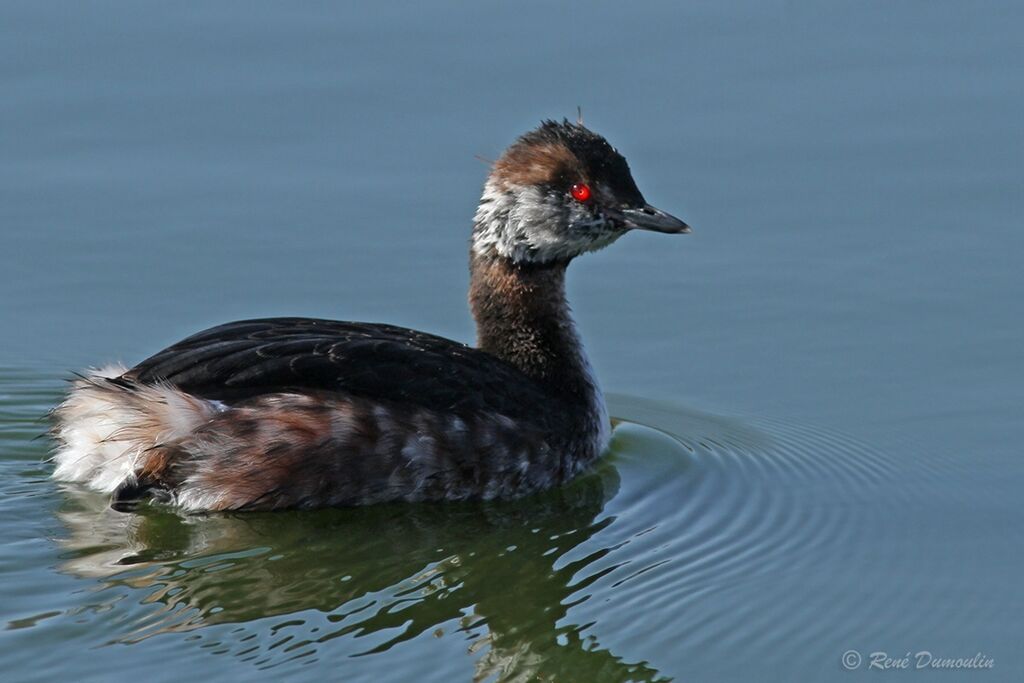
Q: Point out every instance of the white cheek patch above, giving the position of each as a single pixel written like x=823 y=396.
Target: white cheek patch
x=526 y=225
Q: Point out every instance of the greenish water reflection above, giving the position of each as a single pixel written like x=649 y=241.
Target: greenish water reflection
x=380 y=575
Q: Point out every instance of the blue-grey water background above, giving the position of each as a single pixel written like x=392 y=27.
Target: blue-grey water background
x=820 y=390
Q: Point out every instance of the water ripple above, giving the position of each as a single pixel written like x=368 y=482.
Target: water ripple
x=698 y=535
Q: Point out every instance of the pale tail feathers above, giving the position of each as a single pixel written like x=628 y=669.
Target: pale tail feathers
x=107 y=425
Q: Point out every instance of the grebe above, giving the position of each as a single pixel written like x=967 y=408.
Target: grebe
x=301 y=413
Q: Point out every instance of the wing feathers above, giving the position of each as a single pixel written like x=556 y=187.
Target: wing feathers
x=382 y=362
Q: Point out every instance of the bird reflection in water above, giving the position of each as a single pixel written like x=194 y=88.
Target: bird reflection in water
x=503 y=576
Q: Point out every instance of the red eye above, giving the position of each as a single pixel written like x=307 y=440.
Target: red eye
x=580 y=192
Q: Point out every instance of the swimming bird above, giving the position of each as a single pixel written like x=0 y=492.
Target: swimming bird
x=302 y=413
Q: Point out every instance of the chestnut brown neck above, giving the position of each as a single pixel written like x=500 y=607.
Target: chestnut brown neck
x=523 y=318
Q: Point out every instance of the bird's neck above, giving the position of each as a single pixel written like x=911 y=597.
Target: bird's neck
x=523 y=318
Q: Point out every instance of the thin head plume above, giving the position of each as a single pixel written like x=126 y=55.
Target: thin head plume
x=579 y=115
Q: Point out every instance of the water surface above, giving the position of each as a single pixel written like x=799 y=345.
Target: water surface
x=818 y=393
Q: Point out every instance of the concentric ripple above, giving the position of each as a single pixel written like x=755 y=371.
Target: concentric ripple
x=703 y=545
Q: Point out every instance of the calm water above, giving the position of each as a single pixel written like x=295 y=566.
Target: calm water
x=819 y=393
